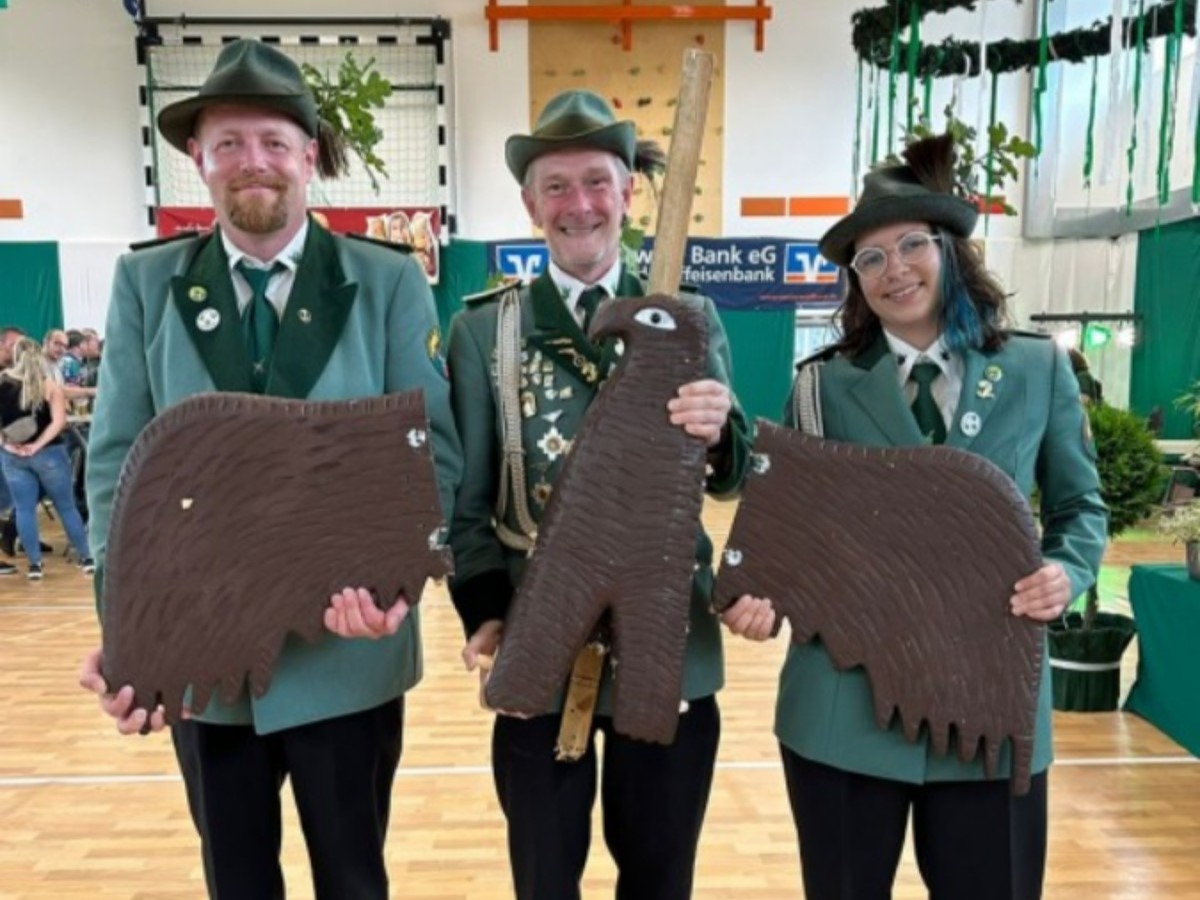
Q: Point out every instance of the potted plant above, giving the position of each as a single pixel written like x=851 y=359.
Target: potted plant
x=1182 y=525
x=1086 y=648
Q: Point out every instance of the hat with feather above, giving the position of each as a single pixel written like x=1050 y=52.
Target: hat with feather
x=251 y=73
x=921 y=189
x=582 y=120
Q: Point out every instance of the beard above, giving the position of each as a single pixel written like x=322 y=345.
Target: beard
x=258 y=214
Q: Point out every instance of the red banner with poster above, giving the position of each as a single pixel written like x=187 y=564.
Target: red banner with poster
x=418 y=226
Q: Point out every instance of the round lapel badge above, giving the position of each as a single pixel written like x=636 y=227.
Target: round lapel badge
x=970 y=424
x=208 y=319
x=993 y=373
x=197 y=294
x=304 y=316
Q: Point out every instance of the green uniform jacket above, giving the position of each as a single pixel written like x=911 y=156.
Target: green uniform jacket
x=371 y=329
x=560 y=371
x=1033 y=427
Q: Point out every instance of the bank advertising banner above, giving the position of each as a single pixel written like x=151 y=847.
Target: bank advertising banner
x=737 y=273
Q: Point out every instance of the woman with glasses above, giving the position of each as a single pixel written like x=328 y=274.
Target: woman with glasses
x=33 y=457
x=923 y=357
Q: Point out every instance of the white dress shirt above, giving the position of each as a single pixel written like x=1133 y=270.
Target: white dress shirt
x=279 y=288
x=946 y=388
x=571 y=287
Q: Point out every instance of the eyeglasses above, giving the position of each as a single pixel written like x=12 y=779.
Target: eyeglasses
x=872 y=262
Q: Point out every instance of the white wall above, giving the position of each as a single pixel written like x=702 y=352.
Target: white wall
x=70 y=146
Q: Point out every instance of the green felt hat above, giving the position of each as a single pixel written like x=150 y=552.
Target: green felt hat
x=572 y=119
x=920 y=190
x=247 y=73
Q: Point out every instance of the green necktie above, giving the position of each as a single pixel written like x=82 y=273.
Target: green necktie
x=588 y=301
x=924 y=407
x=260 y=322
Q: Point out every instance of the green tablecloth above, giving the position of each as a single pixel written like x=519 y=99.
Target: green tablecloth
x=1166 y=607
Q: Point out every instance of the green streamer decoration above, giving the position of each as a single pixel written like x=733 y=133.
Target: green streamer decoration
x=893 y=69
x=1166 y=126
x=858 y=110
x=914 y=47
x=875 y=122
x=1040 y=90
x=873 y=33
x=1090 y=143
x=990 y=181
x=1137 y=96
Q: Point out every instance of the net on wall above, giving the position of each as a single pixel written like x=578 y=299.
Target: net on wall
x=414 y=120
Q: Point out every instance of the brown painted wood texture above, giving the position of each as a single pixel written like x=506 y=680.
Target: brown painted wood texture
x=200 y=523
x=892 y=581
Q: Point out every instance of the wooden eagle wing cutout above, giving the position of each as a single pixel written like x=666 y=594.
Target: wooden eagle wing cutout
x=237 y=516
x=619 y=532
x=903 y=562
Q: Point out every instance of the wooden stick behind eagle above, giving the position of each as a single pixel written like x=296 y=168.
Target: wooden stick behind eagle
x=619 y=533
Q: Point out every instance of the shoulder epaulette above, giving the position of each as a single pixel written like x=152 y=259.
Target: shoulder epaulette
x=391 y=245
x=159 y=241
x=825 y=354
x=492 y=293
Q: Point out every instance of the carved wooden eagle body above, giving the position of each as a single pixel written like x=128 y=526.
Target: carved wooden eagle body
x=903 y=561
x=237 y=516
x=619 y=532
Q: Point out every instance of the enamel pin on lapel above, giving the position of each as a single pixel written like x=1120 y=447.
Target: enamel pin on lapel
x=993 y=373
x=970 y=424
x=208 y=319
x=985 y=390
x=304 y=316
x=197 y=294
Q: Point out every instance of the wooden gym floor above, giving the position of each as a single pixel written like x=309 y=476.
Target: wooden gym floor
x=87 y=813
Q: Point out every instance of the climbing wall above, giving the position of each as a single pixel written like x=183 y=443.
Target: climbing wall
x=641 y=84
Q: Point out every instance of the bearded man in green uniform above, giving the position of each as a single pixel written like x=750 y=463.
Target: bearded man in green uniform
x=575 y=172
x=353 y=319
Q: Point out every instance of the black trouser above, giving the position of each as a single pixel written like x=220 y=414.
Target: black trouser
x=653 y=800
x=973 y=840
x=341 y=772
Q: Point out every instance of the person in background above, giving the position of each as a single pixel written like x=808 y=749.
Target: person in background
x=92 y=348
x=38 y=463
x=1090 y=389
x=9 y=334
x=55 y=346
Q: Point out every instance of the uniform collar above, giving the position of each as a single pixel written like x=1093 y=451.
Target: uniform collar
x=289 y=256
x=908 y=356
x=571 y=287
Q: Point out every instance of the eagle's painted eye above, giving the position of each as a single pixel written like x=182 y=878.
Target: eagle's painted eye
x=656 y=317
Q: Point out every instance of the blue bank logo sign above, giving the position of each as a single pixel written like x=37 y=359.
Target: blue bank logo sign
x=803 y=264
x=524 y=261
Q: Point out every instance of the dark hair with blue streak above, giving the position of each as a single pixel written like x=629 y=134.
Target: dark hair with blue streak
x=973 y=303
x=963 y=322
